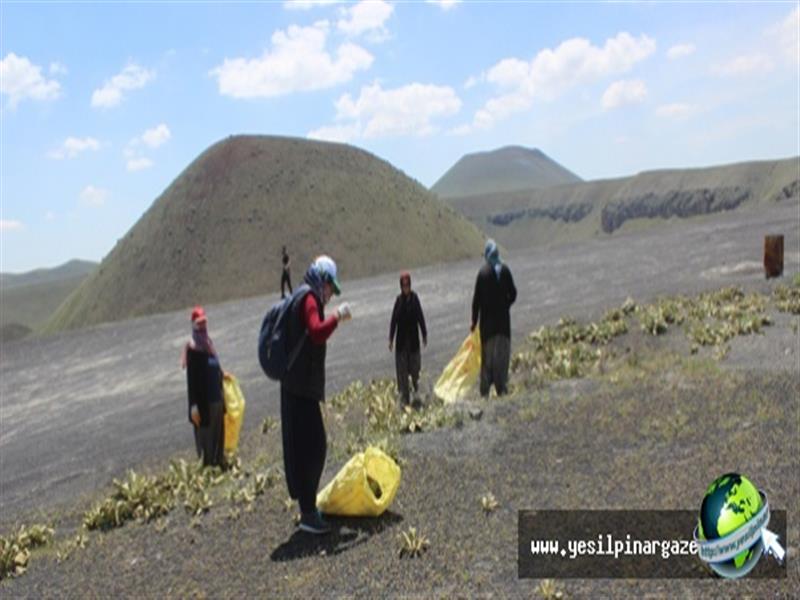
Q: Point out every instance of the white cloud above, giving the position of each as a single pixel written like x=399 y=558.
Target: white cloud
x=307 y=4
x=336 y=133
x=156 y=136
x=138 y=163
x=552 y=72
x=444 y=4
x=50 y=216
x=744 y=65
x=6 y=225
x=680 y=51
x=297 y=62
x=366 y=17
x=132 y=77
x=94 y=196
x=22 y=79
x=407 y=110
x=676 y=111
x=786 y=32
x=474 y=80
x=56 y=68
x=624 y=92
x=71 y=147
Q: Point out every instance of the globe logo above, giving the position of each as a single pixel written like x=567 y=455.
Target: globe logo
x=732 y=529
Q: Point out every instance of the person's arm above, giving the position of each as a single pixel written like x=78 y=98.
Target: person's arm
x=476 y=304
x=393 y=323
x=512 y=290
x=193 y=386
x=318 y=331
x=421 y=319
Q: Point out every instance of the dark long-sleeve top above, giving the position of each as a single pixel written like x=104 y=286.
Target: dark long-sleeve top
x=306 y=376
x=407 y=321
x=204 y=382
x=492 y=300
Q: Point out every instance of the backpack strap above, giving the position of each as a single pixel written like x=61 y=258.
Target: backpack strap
x=302 y=290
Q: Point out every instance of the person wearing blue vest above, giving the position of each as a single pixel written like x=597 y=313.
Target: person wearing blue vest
x=303 y=388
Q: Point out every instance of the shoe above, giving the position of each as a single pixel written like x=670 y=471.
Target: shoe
x=312 y=522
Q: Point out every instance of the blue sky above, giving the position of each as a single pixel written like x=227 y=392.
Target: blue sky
x=104 y=104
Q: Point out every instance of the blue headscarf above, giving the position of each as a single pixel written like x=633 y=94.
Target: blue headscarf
x=314 y=280
x=492 y=256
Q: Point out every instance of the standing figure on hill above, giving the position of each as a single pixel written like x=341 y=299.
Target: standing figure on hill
x=285 y=278
x=491 y=303
x=204 y=380
x=303 y=388
x=407 y=321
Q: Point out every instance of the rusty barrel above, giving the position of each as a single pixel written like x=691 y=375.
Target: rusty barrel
x=773 y=255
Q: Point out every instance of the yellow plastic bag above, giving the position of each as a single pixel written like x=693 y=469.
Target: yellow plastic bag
x=234 y=411
x=364 y=487
x=461 y=373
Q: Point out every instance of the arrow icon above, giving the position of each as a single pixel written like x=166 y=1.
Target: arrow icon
x=771 y=545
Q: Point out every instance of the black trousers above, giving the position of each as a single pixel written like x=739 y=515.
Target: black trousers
x=304 y=447
x=210 y=440
x=285 y=281
x=407 y=362
x=495 y=357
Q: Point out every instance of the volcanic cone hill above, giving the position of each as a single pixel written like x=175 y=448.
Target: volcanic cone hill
x=216 y=232
x=502 y=170
x=578 y=211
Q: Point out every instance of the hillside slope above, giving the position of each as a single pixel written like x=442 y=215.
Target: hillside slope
x=569 y=213
x=216 y=232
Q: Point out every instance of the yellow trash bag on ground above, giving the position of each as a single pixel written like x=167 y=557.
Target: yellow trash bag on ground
x=364 y=487
x=234 y=411
x=461 y=373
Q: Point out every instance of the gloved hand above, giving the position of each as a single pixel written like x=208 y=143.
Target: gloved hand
x=195 y=416
x=343 y=312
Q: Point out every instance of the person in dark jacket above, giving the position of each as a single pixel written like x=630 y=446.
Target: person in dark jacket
x=407 y=321
x=285 y=276
x=303 y=388
x=204 y=382
x=493 y=297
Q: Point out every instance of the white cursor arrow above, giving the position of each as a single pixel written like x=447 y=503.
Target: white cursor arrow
x=771 y=545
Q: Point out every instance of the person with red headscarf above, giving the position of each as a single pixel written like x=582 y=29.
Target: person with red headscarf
x=204 y=380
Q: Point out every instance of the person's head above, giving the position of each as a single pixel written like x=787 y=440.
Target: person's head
x=491 y=252
x=199 y=319
x=323 y=269
x=405 y=283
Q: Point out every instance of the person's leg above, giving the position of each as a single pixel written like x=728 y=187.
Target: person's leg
x=401 y=366
x=289 y=281
x=486 y=366
x=288 y=434
x=318 y=449
x=414 y=365
x=283 y=285
x=502 y=356
x=216 y=434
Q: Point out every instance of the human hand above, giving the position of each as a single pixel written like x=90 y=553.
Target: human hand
x=472 y=328
x=343 y=312
x=195 y=416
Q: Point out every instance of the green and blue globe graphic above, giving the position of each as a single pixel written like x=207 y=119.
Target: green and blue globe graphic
x=731 y=501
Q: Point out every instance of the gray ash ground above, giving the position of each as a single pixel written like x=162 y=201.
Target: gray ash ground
x=82 y=407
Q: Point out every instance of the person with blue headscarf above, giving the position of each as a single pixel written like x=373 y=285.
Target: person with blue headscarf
x=303 y=388
x=491 y=303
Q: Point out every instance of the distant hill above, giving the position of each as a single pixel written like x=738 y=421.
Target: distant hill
x=578 y=211
x=216 y=232
x=503 y=170
x=29 y=299
x=69 y=270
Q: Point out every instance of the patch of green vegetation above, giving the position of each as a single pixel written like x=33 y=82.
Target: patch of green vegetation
x=787 y=299
x=412 y=543
x=144 y=497
x=15 y=550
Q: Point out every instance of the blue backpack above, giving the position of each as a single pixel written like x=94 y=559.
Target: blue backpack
x=274 y=354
